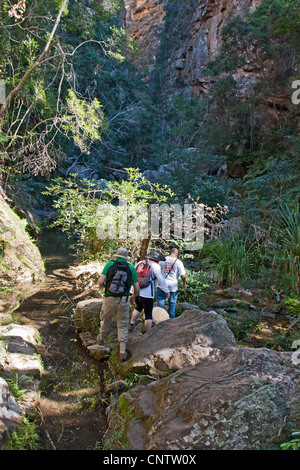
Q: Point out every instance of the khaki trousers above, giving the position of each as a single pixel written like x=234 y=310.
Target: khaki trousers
x=118 y=307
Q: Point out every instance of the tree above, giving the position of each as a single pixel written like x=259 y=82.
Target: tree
x=102 y=218
x=44 y=106
x=17 y=12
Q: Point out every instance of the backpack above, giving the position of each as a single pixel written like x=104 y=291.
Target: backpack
x=118 y=281
x=144 y=272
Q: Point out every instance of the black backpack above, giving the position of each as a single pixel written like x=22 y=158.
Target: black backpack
x=118 y=281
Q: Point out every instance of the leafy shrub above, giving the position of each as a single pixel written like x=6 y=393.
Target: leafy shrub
x=292 y=305
x=25 y=437
x=242 y=323
x=197 y=284
x=230 y=257
x=288 y=223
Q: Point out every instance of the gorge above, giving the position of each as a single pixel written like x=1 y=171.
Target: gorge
x=195 y=100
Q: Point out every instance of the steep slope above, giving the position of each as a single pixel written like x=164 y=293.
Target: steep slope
x=21 y=264
x=189 y=34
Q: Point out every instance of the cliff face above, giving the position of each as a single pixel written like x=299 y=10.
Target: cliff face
x=21 y=265
x=191 y=36
x=144 y=23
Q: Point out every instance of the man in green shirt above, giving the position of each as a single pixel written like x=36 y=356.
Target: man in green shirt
x=117 y=277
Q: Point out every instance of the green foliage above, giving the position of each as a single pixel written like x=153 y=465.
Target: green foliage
x=288 y=222
x=281 y=174
x=242 y=323
x=197 y=285
x=90 y=47
x=84 y=208
x=25 y=437
x=229 y=257
x=15 y=383
x=292 y=305
x=261 y=43
x=84 y=121
x=294 y=442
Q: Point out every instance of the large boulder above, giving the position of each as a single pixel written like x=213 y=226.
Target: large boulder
x=21 y=264
x=179 y=342
x=238 y=402
x=20 y=364
x=10 y=413
x=159 y=314
x=18 y=350
x=87 y=314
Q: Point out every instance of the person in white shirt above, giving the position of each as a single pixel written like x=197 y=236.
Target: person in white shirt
x=145 y=299
x=171 y=269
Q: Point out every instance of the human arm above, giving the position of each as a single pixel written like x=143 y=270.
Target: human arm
x=162 y=282
x=102 y=280
x=182 y=273
x=136 y=290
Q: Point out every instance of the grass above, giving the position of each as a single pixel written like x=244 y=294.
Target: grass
x=230 y=257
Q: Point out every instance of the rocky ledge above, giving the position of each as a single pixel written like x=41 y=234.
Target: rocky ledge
x=198 y=389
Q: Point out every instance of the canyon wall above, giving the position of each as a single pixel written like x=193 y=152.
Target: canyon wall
x=178 y=39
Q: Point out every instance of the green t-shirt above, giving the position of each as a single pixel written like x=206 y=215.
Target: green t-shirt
x=134 y=274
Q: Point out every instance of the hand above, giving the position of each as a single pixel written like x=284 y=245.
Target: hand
x=185 y=285
x=132 y=299
x=168 y=295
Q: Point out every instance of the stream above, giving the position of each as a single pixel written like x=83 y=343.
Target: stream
x=70 y=412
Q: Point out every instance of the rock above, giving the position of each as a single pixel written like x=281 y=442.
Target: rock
x=17 y=350
x=186 y=306
x=10 y=413
x=154 y=175
x=87 y=338
x=5 y=318
x=27 y=333
x=159 y=314
x=233 y=303
x=245 y=292
x=233 y=226
x=98 y=352
x=217 y=292
x=268 y=315
x=116 y=388
x=237 y=402
x=21 y=264
x=86 y=278
x=230 y=292
x=179 y=342
x=87 y=314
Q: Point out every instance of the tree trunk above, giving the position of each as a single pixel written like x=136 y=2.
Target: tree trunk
x=145 y=247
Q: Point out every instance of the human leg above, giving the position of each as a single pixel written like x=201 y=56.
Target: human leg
x=172 y=303
x=148 y=308
x=136 y=312
x=161 y=297
x=109 y=309
x=122 y=318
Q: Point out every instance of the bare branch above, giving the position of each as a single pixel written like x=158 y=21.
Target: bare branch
x=50 y=43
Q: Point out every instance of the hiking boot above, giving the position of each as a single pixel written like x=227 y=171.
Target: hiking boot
x=124 y=356
x=131 y=326
x=100 y=340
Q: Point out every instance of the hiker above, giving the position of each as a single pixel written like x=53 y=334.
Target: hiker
x=117 y=277
x=149 y=272
x=171 y=269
